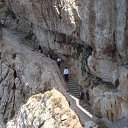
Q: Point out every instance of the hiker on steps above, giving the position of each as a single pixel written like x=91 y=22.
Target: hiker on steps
x=66 y=72
x=50 y=56
x=81 y=95
x=2 y=23
x=87 y=95
x=40 y=49
x=58 y=61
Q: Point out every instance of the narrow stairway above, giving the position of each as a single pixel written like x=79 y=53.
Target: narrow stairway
x=72 y=84
x=74 y=89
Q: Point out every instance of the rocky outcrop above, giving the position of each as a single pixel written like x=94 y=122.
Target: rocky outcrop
x=48 y=110
x=23 y=72
x=75 y=28
x=91 y=36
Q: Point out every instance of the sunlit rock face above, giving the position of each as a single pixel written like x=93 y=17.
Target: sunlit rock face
x=68 y=27
x=48 y=110
x=22 y=73
x=90 y=35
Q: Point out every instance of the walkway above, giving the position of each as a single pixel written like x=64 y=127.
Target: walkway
x=72 y=84
x=74 y=89
x=80 y=107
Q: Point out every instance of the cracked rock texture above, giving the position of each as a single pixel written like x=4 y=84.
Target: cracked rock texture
x=91 y=36
x=73 y=28
x=23 y=72
x=48 y=110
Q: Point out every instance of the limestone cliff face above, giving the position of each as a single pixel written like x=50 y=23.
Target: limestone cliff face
x=48 y=110
x=91 y=36
x=69 y=26
x=22 y=73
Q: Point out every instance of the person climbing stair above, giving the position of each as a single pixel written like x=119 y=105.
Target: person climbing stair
x=58 y=61
x=81 y=95
x=40 y=49
x=66 y=72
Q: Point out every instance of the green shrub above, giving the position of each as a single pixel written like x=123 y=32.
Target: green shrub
x=9 y=12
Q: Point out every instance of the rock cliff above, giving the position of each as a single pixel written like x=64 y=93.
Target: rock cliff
x=91 y=37
x=48 y=110
x=23 y=73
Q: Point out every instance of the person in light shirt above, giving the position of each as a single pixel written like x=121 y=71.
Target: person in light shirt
x=2 y=22
x=66 y=72
x=58 y=61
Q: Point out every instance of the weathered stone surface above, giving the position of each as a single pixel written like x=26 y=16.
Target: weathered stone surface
x=90 y=124
x=90 y=35
x=23 y=72
x=40 y=111
x=100 y=24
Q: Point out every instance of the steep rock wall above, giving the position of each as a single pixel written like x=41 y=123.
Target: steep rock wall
x=95 y=23
x=70 y=27
x=23 y=73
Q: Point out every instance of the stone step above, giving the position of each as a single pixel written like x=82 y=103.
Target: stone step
x=75 y=91
x=85 y=106
x=75 y=95
x=73 y=86
x=71 y=81
x=84 y=102
x=89 y=110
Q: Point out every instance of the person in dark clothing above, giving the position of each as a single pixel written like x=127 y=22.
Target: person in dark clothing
x=40 y=49
x=81 y=95
x=2 y=23
x=87 y=95
x=14 y=86
x=117 y=83
x=15 y=74
x=50 y=56
x=17 y=21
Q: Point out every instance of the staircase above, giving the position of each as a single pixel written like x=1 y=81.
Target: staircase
x=81 y=107
x=74 y=89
